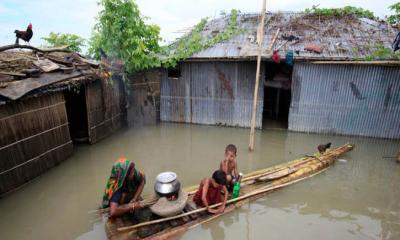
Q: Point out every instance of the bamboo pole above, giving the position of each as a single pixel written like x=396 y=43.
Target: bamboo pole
x=262 y=174
x=260 y=40
x=247 y=180
x=274 y=39
x=49 y=50
x=228 y=209
x=259 y=191
x=312 y=169
x=278 y=171
x=247 y=177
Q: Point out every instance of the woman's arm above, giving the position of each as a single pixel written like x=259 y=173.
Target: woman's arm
x=117 y=210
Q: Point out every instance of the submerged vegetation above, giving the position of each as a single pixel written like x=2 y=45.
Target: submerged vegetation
x=338 y=12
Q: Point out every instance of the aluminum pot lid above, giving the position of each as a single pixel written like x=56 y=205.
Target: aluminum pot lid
x=166 y=177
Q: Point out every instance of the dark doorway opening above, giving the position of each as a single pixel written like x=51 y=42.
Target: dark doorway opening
x=75 y=102
x=277 y=95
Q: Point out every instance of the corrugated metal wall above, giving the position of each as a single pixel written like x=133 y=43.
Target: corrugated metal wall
x=359 y=100
x=218 y=93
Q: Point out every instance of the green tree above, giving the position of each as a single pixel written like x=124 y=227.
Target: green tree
x=74 y=42
x=394 y=19
x=121 y=32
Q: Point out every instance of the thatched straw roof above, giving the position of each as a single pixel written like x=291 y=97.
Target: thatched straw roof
x=31 y=72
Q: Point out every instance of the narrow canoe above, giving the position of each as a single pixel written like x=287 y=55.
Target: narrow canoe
x=254 y=185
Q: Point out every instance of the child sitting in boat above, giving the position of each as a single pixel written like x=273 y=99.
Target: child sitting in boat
x=123 y=188
x=229 y=166
x=209 y=192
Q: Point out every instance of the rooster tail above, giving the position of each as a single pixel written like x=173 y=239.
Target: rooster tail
x=328 y=145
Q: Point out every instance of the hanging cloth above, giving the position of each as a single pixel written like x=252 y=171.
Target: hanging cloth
x=289 y=58
x=275 y=57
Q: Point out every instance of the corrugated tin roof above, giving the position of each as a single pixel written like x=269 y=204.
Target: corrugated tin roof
x=342 y=37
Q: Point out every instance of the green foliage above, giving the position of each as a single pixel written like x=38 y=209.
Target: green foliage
x=380 y=52
x=73 y=41
x=186 y=46
x=195 y=42
x=121 y=33
x=229 y=32
x=338 y=12
x=394 y=19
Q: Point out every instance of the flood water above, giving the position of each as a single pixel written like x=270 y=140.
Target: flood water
x=358 y=198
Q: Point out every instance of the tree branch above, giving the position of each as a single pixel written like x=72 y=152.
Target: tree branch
x=13 y=46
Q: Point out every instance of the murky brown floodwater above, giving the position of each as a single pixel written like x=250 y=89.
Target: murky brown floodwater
x=357 y=199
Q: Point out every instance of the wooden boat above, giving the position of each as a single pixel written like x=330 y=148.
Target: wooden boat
x=254 y=185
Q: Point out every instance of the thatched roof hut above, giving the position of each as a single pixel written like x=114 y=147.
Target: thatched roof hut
x=47 y=102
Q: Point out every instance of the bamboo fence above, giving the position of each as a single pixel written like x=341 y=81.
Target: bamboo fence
x=104 y=104
x=144 y=98
x=34 y=137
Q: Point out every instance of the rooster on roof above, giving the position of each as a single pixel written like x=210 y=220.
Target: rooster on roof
x=24 y=35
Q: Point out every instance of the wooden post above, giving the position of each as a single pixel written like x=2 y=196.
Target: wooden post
x=260 y=40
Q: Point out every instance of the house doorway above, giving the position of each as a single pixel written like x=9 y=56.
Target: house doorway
x=75 y=102
x=277 y=95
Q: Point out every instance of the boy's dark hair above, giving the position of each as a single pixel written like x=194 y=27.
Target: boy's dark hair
x=231 y=148
x=220 y=177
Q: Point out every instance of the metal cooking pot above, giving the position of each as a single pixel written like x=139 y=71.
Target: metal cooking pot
x=167 y=184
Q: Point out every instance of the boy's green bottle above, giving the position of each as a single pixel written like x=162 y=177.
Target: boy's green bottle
x=236 y=187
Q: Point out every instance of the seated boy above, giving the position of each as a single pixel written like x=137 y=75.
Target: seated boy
x=229 y=166
x=209 y=192
x=123 y=188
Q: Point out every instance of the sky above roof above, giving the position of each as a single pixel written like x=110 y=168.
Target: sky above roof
x=173 y=16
